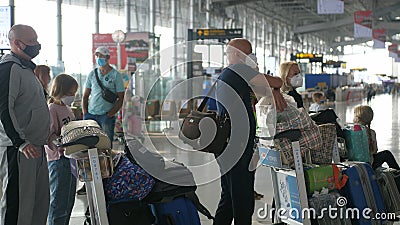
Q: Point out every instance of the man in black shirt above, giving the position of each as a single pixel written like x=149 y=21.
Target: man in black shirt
x=234 y=86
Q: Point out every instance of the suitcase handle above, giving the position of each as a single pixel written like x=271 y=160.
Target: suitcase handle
x=339 y=183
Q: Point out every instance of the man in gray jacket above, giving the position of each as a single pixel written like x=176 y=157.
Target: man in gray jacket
x=24 y=127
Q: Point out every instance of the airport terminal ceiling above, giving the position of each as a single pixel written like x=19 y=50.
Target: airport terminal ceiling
x=299 y=16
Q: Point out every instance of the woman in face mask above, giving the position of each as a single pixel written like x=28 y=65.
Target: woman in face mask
x=292 y=79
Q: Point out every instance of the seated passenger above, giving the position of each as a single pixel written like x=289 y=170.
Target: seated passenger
x=318 y=101
x=363 y=115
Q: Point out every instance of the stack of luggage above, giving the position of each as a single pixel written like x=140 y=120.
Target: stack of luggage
x=348 y=183
x=134 y=197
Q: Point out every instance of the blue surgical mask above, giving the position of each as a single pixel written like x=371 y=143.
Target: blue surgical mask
x=101 y=61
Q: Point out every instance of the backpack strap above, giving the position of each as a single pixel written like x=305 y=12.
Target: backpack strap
x=200 y=207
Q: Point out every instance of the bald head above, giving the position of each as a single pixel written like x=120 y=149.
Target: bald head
x=238 y=50
x=18 y=31
x=241 y=44
x=20 y=37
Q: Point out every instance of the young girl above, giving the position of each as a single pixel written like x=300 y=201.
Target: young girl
x=62 y=181
x=363 y=115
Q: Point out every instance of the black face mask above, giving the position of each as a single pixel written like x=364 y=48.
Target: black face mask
x=32 y=50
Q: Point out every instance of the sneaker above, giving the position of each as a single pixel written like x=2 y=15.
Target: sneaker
x=82 y=190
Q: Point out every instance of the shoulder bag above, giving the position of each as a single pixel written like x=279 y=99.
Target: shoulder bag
x=107 y=95
x=199 y=120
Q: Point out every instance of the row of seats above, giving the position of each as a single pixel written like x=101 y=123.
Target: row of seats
x=169 y=109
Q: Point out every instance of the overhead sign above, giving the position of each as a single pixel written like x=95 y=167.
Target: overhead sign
x=330 y=6
x=393 y=49
x=218 y=33
x=5 y=26
x=379 y=38
x=363 y=24
x=312 y=57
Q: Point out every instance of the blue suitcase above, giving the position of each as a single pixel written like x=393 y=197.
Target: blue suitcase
x=180 y=211
x=362 y=191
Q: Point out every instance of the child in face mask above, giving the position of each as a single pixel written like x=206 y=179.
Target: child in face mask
x=62 y=180
x=292 y=79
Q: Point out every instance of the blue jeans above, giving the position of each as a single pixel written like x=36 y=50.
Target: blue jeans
x=62 y=191
x=106 y=123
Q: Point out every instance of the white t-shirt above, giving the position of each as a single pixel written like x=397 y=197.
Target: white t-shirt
x=315 y=107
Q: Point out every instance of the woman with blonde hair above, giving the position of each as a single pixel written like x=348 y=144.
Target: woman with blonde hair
x=291 y=76
x=363 y=114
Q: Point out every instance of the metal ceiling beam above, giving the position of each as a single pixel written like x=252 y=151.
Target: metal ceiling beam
x=329 y=25
x=352 y=42
x=233 y=2
x=388 y=25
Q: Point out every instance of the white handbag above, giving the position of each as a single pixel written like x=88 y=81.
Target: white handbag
x=78 y=136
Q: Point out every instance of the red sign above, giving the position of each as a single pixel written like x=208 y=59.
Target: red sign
x=363 y=18
x=393 y=48
x=379 y=34
x=134 y=50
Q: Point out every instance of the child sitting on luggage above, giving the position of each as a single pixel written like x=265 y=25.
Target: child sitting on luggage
x=318 y=99
x=363 y=114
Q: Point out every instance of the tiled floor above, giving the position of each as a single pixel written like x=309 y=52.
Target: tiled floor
x=386 y=123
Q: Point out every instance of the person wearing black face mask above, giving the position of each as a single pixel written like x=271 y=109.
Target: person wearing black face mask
x=24 y=129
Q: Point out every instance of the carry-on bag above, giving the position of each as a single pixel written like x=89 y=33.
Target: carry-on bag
x=77 y=136
x=128 y=182
x=180 y=211
x=362 y=191
x=327 y=116
x=328 y=137
x=325 y=176
x=293 y=118
x=389 y=180
x=321 y=203
x=357 y=143
x=130 y=213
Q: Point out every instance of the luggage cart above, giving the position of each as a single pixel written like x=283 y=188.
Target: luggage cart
x=289 y=187
x=90 y=147
x=92 y=175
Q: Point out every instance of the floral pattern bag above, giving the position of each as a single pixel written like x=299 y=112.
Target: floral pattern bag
x=128 y=182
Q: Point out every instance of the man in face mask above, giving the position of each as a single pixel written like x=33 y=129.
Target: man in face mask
x=24 y=128
x=103 y=77
x=97 y=107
